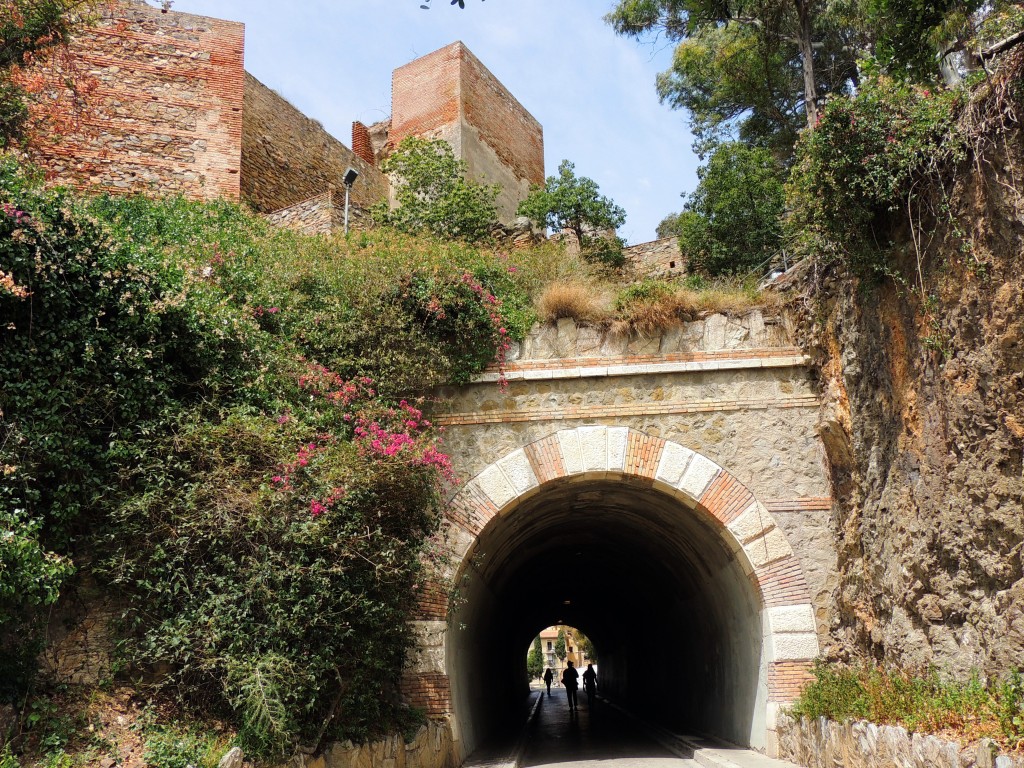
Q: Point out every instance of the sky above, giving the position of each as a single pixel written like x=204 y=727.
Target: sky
x=592 y=91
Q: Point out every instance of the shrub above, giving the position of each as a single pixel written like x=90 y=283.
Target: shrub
x=173 y=404
x=433 y=194
x=732 y=223
x=856 y=169
x=920 y=701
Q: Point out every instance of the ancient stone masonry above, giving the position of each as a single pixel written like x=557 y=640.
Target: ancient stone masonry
x=166 y=116
x=175 y=112
x=658 y=258
x=320 y=215
x=450 y=94
x=288 y=158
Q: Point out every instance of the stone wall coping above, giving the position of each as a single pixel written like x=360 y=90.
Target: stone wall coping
x=566 y=369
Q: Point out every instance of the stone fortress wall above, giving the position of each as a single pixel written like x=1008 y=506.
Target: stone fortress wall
x=288 y=157
x=176 y=112
x=166 y=114
x=450 y=94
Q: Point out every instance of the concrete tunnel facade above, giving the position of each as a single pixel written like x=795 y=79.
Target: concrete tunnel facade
x=627 y=537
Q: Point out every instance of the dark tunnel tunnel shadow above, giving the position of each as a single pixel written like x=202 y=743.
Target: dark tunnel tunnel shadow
x=675 y=620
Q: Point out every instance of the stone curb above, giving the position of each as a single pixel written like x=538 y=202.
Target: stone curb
x=514 y=757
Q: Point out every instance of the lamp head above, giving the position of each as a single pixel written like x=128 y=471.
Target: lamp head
x=350 y=177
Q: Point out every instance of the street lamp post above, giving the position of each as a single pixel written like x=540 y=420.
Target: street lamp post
x=349 y=179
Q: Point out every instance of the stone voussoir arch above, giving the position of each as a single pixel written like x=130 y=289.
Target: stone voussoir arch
x=600 y=452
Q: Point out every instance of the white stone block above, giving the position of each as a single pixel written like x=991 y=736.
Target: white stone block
x=538 y=375
x=771 y=715
x=495 y=485
x=572 y=456
x=674 y=460
x=618 y=441
x=594 y=448
x=516 y=467
x=768 y=548
x=792 y=618
x=754 y=521
x=794 y=647
x=457 y=542
x=698 y=476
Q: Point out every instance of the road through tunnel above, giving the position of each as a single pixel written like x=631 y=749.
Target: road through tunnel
x=675 y=618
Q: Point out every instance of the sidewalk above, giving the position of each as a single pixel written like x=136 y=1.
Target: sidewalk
x=607 y=735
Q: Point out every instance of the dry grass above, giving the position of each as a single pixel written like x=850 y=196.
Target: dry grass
x=651 y=308
x=583 y=301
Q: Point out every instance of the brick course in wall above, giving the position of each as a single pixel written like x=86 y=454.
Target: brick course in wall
x=288 y=158
x=166 y=113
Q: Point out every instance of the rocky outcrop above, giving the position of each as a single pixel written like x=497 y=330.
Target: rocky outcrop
x=923 y=423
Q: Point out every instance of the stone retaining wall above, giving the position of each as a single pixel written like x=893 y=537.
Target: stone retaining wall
x=320 y=215
x=431 y=748
x=823 y=743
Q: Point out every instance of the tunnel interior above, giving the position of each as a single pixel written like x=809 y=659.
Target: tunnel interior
x=675 y=620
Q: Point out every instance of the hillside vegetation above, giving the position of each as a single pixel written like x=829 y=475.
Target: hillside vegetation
x=220 y=425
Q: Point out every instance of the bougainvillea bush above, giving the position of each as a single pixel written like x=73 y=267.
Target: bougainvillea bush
x=223 y=423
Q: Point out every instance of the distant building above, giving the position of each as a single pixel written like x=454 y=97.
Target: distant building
x=574 y=653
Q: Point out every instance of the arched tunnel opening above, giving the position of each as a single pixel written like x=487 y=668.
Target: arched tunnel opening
x=673 y=616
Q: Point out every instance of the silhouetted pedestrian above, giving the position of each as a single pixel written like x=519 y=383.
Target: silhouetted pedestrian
x=548 y=677
x=590 y=684
x=571 y=681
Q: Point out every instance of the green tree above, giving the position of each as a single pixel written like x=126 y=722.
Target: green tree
x=560 y=645
x=751 y=70
x=918 y=38
x=433 y=194
x=535 y=660
x=576 y=204
x=732 y=221
x=669 y=226
x=587 y=648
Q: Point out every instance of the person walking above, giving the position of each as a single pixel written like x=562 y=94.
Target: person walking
x=590 y=685
x=548 y=677
x=571 y=681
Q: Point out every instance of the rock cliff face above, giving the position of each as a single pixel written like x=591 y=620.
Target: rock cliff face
x=923 y=422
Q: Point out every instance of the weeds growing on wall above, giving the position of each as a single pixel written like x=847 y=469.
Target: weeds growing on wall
x=922 y=702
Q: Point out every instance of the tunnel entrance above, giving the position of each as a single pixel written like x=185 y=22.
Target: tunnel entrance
x=695 y=604
x=674 y=619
